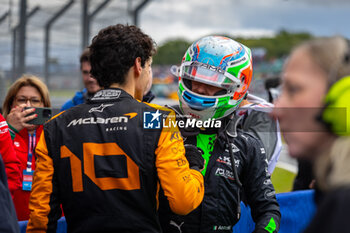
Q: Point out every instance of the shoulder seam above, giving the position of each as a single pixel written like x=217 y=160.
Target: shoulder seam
x=156 y=106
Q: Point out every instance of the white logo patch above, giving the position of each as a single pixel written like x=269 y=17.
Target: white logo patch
x=100 y=108
x=176 y=225
x=3 y=124
x=107 y=95
x=234 y=148
x=98 y=120
x=269 y=194
x=224 y=173
x=2 y=131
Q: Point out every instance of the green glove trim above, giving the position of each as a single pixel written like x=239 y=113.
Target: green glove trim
x=206 y=143
x=271 y=227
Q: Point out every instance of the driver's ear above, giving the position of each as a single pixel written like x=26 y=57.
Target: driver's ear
x=137 y=66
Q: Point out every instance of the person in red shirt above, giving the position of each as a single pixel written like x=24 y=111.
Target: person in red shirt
x=11 y=162
x=27 y=91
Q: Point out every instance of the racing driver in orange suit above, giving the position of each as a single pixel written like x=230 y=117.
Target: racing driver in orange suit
x=105 y=160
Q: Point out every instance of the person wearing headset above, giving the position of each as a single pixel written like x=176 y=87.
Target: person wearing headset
x=314 y=115
x=213 y=80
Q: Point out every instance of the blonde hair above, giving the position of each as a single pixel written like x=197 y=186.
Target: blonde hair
x=25 y=80
x=331 y=54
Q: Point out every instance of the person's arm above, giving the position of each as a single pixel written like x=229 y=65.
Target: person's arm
x=12 y=163
x=183 y=187
x=259 y=190
x=43 y=204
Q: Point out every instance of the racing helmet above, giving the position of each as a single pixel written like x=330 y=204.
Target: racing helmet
x=220 y=62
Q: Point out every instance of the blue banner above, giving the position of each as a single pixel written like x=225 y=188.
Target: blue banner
x=297 y=210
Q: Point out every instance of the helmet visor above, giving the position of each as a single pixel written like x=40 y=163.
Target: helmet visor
x=210 y=75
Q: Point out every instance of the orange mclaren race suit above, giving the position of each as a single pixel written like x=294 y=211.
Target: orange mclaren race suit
x=104 y=161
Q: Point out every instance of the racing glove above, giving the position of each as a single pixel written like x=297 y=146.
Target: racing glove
x=194 y=157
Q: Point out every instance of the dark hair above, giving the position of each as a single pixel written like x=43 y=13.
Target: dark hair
x=114 y=50
x=84 y=57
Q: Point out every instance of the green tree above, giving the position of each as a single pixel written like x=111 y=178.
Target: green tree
x=278 y=46
x=171 y=52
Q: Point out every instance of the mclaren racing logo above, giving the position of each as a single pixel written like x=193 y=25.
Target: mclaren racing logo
x=100 y=120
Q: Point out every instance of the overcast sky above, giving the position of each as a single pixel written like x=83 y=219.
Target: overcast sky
x=168 y=19
x=195 y=18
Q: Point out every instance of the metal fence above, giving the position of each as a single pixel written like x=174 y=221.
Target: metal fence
x=55 y=34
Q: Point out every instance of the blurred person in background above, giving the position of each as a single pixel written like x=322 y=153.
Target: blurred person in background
x=304 y=178
x=90 y=84
x=27 y=91
x=253 y=116
x=214 y=77
x=99 y=160
x=272 y=85
x=11 y=162
x=8 y=220
x=313 y=111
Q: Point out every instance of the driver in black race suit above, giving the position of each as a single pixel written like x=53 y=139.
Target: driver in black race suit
x=214 y=76
x=102 y=160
